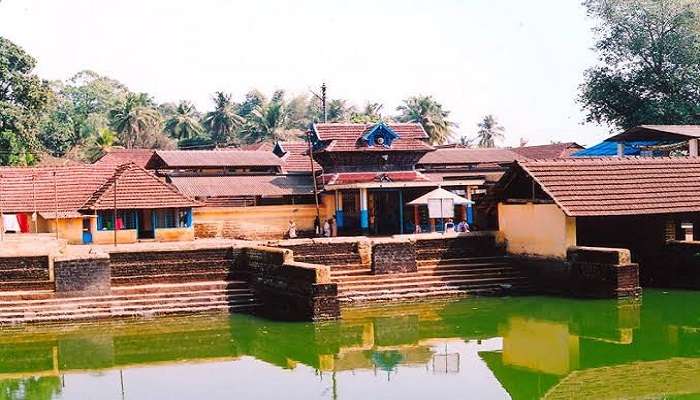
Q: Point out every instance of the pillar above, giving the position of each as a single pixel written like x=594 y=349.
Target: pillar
x=364 y=212
x=693 y=147
x=620 y=149
x=432 y=224
x=401 y=212
x=416 y=216
x=339 y=216
x=470 y=206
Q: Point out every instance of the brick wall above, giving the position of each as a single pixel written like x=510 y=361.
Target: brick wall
x=477 y=244
x=394 y=257
x=85 y=275
x=25 y=273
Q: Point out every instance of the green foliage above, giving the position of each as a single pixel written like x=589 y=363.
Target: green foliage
x=98 y=144
x=57 y=132
x=369 y=115
x=223 y=120
x=266 y=122
x=196 y=143
x=183 y=123
x=23 y=98
x=428 y=112
x=489 y=132
x=649 y=70
x=137 y=123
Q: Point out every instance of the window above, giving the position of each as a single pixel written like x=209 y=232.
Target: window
x=126 y=219
x=173 y=218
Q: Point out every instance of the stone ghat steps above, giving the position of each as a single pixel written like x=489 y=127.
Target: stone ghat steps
x=420 y=276
x=170 y=266
x=460 y=260
x=339 y=259
x=26 y=285
x=427 y=284
x=131 y=301
x=170 y=278
x=413 y=295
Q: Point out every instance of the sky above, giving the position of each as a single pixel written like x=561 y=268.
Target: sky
x=521 y=61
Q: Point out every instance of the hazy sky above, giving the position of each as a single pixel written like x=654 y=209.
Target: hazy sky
x=519 y=60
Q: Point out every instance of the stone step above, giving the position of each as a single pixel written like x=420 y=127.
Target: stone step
x=422 y=275
x=26 y=286
x=141 y=306
x=26 y=294
x=431 y=294
x=179 y=287
x=153 y=296
x=429 y=284
x=169 y=278
x=462 y=260
x=180 y=267
x=350 y=272
x=94 y=315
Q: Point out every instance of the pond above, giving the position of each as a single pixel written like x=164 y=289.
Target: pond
x=481 y=348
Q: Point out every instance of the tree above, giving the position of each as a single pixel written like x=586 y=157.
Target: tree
x=100 y=144
x=57 y=132
x=429 y=113
x=136 y=122
x=267 y=122
x=183 y=124
x=649 y=70
x=369 y=115
x=23 y=99
x=221 y=122
x=489 y=132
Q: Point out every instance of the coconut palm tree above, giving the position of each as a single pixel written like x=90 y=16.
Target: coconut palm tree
x=266 y=123
x=489 y=131
x=429 y=113
x=99 y=144
x=135 y=120
x=183 y=123
x=221 y=122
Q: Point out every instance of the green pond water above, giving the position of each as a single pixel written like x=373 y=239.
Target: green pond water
x=483 y=348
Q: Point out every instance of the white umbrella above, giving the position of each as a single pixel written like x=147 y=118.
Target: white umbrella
x=440 y=194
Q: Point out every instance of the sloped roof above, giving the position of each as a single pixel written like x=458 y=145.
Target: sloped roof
x=212 y=158
x=440 y=193
x=619 y=186
x=296 y=157
x=29 y=189
x=347 y=137
x=136 y=188
x=117 y=157
x=659 y=132
x=344 y=178
x=260 y=146
x=456 y=156
x=548 y=151
x=243 y=185
x=608 y=148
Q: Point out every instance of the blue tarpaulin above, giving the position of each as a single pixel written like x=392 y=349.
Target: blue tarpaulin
x=608 y=148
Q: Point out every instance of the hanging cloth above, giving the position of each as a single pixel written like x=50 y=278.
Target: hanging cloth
x=23 y=220
x=10 y=223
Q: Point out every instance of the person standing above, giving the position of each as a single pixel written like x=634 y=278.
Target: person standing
x=327 y=228
x=334 y=227
x=292 y=229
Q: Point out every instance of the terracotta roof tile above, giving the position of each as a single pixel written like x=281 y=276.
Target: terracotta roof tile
x=117 y=157
x=619 y=186
x=296 y=157
x=212 y=158
x=346 y=137
x=136 y=188
x=243 y=185
x=345 y=178
x=548 y=151
x=456 y=156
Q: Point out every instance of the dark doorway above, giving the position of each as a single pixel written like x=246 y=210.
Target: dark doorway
x=146 y=230
x=386 y=213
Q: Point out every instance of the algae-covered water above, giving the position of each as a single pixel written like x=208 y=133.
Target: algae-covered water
x=485 y=348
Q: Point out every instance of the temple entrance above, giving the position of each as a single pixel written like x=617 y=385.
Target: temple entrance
x=385 y=212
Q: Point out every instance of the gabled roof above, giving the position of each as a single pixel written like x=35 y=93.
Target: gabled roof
x=457 y=156
x=243 y=185
x=344 y=178
x=117 y=157
x=174 y=159
x=616 y=186
x=260 y=146
x=136 y=188
x=349 y=137
x=295 y=156
x=548 y=151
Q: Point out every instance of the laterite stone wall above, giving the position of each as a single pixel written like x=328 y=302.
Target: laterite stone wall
x=394 y=257
x=81 y=276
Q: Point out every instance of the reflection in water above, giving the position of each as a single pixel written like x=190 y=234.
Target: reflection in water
x=522 y=348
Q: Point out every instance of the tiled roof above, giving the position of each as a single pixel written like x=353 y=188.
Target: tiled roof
x=29 y=189
x=458 y=156
x=136 y=188
x=619 y=186
x=23 y=190
x=296 y=157
x=488 y=176
x=117 y=157
x=260 y=146
x=243 y=185
x=548 y=151
x=658 y=132
x=346 y=137
x=345 y=178
x=212 y=158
